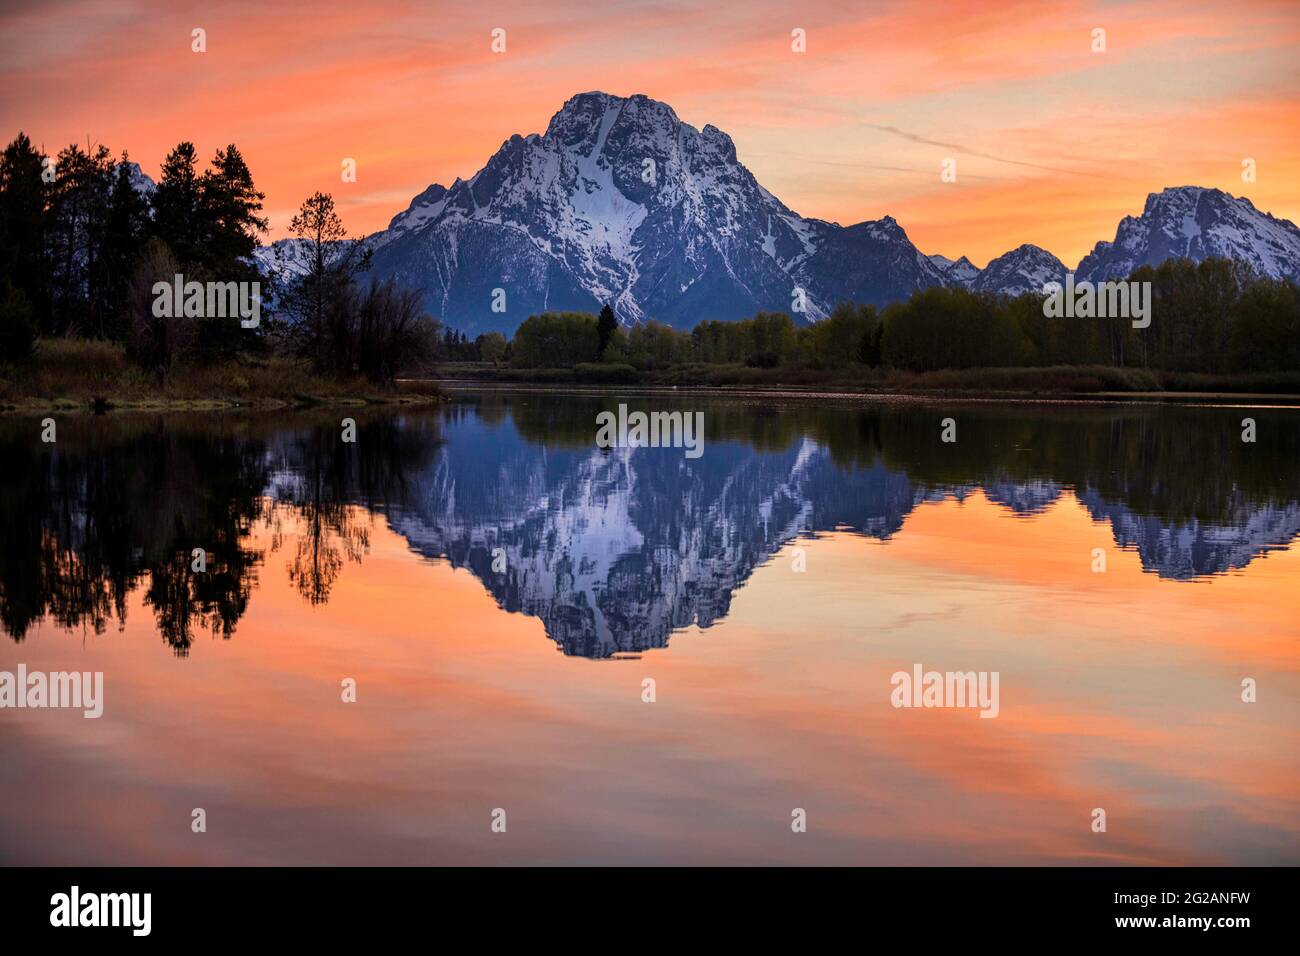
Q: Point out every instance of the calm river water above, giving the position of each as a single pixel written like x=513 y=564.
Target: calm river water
x=630 y=655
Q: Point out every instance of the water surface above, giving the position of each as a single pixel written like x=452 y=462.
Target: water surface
x=499 y=588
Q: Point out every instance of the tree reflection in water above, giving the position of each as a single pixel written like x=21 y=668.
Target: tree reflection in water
x=119 y=504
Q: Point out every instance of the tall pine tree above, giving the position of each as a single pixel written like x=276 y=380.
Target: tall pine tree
x=230 y=205
x=178 y=206
x=24 y=277
x=125 y=234
x=605 y=328
x=78 y=220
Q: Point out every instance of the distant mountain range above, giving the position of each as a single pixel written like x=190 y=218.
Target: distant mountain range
x=619 y=201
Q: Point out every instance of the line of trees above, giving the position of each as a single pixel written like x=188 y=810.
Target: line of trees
x=456 y=346
x=75 y=231
x=83 y=240
x=1214 y=316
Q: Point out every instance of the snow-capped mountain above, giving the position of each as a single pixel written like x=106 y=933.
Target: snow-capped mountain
x=1186 y=221
x=1024 y=269
x=288 y=259
x=620 y=201
x=140 y=180
x=959 y=272
x=1197 y=223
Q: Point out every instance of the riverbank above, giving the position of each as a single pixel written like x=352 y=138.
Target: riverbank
x=1055 y=382
x=71 y=375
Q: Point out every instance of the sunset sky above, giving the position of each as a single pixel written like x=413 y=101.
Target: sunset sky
x=1054 y=143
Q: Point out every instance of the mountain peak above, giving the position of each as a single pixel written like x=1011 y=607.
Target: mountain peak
x=721 y=141
x=141 y=182
x=1026 y=268
x=1177 y=194
x=620 y=201
x=585 y=112
x=956 y=272
x=1197 y=223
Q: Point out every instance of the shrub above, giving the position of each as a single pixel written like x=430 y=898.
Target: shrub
x=606 y=373
x=157 y=343
x=387 y=330
x=17 y=325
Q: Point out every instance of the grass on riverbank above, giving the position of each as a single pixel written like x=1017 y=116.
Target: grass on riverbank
x=1052 y=380
x=77 y=374
x=74 y=373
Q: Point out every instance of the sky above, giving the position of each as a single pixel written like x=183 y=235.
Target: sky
x=1053 y=141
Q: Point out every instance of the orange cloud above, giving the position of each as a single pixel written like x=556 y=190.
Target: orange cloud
x=1053 y=141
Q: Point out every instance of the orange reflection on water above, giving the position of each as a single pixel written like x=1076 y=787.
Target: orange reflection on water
x=1118 y=690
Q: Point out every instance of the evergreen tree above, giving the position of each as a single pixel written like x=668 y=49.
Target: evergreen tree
x=76 y=226
x=23 y=196
x=230 y=206
x=125 y=234
x=229 y=223
x=605 y=326
x=178 y=206
x=333 y=262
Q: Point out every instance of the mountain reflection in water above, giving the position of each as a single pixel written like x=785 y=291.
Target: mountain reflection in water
x=613 y=550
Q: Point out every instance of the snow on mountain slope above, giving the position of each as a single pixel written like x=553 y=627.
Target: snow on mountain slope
x=619 y=201
x=140 y=180
x=287 y=258
x=1197 y=223
x=959 y=272
x=1026 y=268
